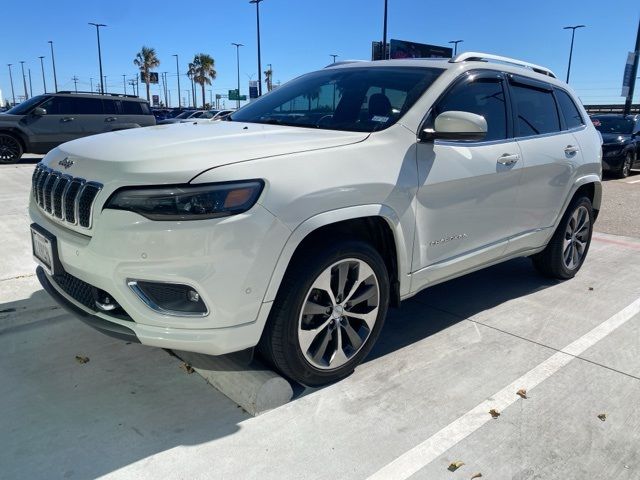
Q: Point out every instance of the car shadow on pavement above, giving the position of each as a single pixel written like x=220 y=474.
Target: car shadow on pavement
x=446 y=304
x=78 y=404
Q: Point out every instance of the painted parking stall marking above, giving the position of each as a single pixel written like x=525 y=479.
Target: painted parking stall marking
x=421 y=455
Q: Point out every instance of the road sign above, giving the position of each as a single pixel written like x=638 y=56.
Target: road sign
x=155 y=99
x=233 y=95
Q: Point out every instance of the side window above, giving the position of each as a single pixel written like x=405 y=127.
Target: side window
x=570 y=112
x=109 y=107
x=58 y=106
x=485 y=97
x=86 y=106
x=536 y=111
x=131 y=108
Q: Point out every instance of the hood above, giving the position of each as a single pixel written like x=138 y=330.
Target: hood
x=615 y=138
x=176 y=153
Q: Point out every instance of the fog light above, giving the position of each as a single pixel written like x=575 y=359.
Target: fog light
x=169 y=298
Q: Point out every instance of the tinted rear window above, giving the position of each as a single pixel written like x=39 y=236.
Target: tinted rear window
x=570 y=112
x=134 y=108
x=536 y=110
x=73 y=106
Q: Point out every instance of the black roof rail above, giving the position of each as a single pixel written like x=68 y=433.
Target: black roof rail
x=97 y=93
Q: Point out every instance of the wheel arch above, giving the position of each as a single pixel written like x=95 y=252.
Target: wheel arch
x=16 y=133
x=377 y=224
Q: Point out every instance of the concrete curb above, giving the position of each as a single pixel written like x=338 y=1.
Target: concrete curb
x=254 y=387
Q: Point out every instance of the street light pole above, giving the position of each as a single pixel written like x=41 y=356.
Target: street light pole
x=13 y=93
x=634 y=72
x=573 y=33
x=44 y=82
x=164 y=83
x=53 y=62
x=455 y=46
x=238 y=45
x=98 y=25
x=178 y=75
x=384 y=33
x=24 y=80
x=257 y=2
x=124 y=83
x=30 y=84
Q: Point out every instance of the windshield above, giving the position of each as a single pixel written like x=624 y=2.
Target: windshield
x=353 y=99
x=618 y=125
x=186 y=114
x=196 y=114
x=26 y=106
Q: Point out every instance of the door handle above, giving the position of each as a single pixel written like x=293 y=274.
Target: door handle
x=68 y=119
x=110 y=119
x=569 y=149
x=508 y=159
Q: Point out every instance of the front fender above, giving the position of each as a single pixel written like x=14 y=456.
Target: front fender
x=334 y=216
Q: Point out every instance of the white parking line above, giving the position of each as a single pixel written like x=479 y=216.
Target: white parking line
x=421 y=455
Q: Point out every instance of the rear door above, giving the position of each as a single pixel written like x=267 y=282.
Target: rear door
x=90 y=113
x=134 y=113
x=550 y=152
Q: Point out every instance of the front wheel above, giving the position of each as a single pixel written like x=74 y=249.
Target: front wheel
x=567 y=250
x=625 y=168
x=10 y=148
x=328 y=313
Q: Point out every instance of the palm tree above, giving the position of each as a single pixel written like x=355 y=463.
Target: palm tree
x=145 y=60
x=202 y=71
x=268 y=78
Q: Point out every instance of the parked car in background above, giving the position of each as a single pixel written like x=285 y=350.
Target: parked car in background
x=621 y=142
x=293 y=225
x=43 y=122
x=185 y=116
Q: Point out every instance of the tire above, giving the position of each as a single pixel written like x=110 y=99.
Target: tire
x=308 y=322
x=563 y=257
x=10 y=149
x=625 y=168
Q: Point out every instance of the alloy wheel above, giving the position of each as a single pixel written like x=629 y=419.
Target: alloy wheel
x=576 y=238
x=339 y=313
x=9 y=149
x=626 y=166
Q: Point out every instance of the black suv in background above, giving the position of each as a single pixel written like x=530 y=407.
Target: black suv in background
x=45 y=121
x=620 y=142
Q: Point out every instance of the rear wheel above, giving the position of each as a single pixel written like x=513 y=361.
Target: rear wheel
x=625 y=168
x=567 y=250
x=328 y=313
x=10 y=148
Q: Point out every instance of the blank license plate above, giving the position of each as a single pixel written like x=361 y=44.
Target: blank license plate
x=42 y=251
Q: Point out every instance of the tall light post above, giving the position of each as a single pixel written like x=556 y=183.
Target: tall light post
x=13 y=93
x=98 y=25
x=257 y=2
x=384 y=32
x=24 y=80
x=573 y=34
x=178 y=75
x=30 y=84
x=44 y=82
x=634 y=71
x=124 y=83
x=164 y=86
x=455 y=46
x=53 y=62
x=238 y=45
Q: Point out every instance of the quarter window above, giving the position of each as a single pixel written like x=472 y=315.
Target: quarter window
x=131 y=108
x=570 y=112
x=536 y=111
x=485 y=97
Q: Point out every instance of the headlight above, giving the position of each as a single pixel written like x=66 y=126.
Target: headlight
x=188 y=202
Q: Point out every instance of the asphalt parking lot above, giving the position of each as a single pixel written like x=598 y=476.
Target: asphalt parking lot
x=419 y=404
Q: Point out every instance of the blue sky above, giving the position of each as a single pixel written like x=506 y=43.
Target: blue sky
x=298 y=36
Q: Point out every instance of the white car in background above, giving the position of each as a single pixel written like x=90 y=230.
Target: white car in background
x=296 y=223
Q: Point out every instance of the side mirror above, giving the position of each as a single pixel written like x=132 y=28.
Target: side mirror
x=39 y=111
x=456 y=125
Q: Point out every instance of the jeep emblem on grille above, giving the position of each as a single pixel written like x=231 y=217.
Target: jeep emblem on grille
x=66 y=163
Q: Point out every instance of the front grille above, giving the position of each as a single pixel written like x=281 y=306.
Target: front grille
x=85 y=294
x=63 y=196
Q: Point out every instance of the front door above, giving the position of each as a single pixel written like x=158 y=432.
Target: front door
x=467 y=190
x=60 y=124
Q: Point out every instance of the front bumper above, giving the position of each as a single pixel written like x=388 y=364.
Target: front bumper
x=612 y=157
x=229 y=262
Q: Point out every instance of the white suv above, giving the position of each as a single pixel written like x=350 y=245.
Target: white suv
x=293 y=225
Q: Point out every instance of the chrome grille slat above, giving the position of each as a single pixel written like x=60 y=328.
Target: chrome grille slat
x=66 y=198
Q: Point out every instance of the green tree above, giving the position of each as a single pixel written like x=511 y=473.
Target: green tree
x=202 y=71
x=145 y=60
x=268 y=78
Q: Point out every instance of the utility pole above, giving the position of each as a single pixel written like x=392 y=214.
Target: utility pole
x=44 y=82
x=573 y=34
x=124 y=83
x=13 y=93
x=164 y=85
x=75 y=82
x=104 y=84
x=238 y=45
x=384 y=33
x=30 y=84
x=634 y=73
x=257 y=2
x=178 y=75
x=455 y=46
x=98 y=25
x=53 y=62
x=24 y=80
